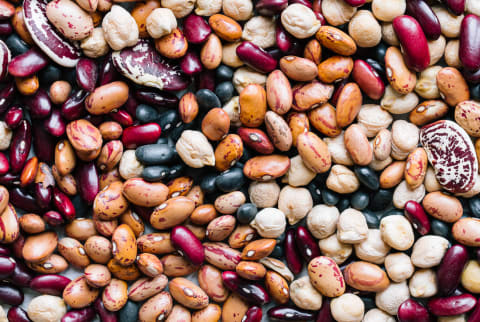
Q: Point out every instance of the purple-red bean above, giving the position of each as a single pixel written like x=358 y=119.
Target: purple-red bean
x=450 y=269
x=469 y=51
x=292 y=256
x=283 y=38
x=87 y=181
x=51 y=284
x=157 y=98
x=107 y=72
x=73 y=108
x=412 y=311
x=22 y=275
x=20 y=198
x=206 y=79
x=28 y=63
x=288 y=313
x=270 y=7
x=254 y=314
x=104 y=314
x=256 y=57
x=249 y=291
x=475 y=315
x=20 y=146
x=10 y=294
x=196 y=29
x=134 y=136
x=355 y=3
x=17 y=314
x=7 y=95
x=324 y=314
x=368 y=79
x=190 y=63
x=417 y=216
x=54 y=124
x=86 y=73
x=306 y=244
x=80 y=315
x=4 y=165
x=38 y=104
x=455 y=6
x=13 y=116
x=63 y=204
x=452 y=305
x=425 y=16
x=122 y=117
x=43 y=143
x=53 y=218
x=188 y=244
x=7 y=266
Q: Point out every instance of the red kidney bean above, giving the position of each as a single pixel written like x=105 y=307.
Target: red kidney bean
x=23 y=200
x=256 y=139
x=86 y=73
x=20 y=146
x=293 y=259
x=306 y=244
x=5 y=28
x=287 y=313
x=38 y=104
x=254 y=314
x=7 y=95
x=13 y=116
x=256 y=57
x=413 y=41
x=10 y=179
x=10 y=294
x=53 y=218
x=17 y=246
x=368 y=79
x=306 y=3
x=188 y=244
x=4 y=166
x=452 y=305
x=317 y=6
x=131 y=104
x=425 y=16
x=81 y=315
x=4 y=250
x=470 y=42
x=54 y=124
x=17 y=314
x=196 y=29
x=73 y=108
x=417 y=216
x=270 y=7
x=134 y=136
x=43 y=143
x=472 y=76
x=450 y=269
x=355 y=3
x=87 y=179
x=412 y=311
x=27 y=63
x=104 y=314
x=51 y=284
x=122 y=117
x=7 y=266
x=250 y=292
x=190 y=63
x=455 y=6
x=475 y=315
x=22 y=275
x=63 y=204
x=206 y=80
x=94 y=119
x=324 y=314
x=107 y=72
x=284 y=39
x=157 y=98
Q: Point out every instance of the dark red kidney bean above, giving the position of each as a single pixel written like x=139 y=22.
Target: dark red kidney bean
x=417 y=216
x=450 y=269
x=452 y=305
x=338 y=89
x=206 y=80
x=317 y=6
x=324 y=314
x=13 y=116
x=10 y=294
x=475 y=315
x=22 y=275
x=7 y=95
x=455 y=6
x=284 y=39
x=472 y=76
x=7 y=266
x=157 y=98
x=256 y=57
x=80 y=315
x=53 y=218
x=413 y=41
x=254 y=314
x=63 y=204
x=23 y=200
x=55 y=124
x=306 y=3
x=17 y=314
x=368 y=79
x=95 y=119
x=27 y=63
x=17 y=246
x=190 y=63
x=43 y=143
x=10 y=179
x=4 y=165
x=131 y=104
x=412 y=311
x=73 y=108
x=86 y=73
x=188 y=244
x=306 y=244
x=270 y=7
x=425 y=16
x=43 y=195
x=6 y=28
x=20 y=146
x=288 y=313
x=4 y=250
x=256 y=139
x=134 y=136
x=250 y=292
x=122 y=117
x=355 y=3
x=107 y=72
x=196 y=29
x=292 y=257
x=469 y=51
x=38 y=104
x=104 y=314
x=51 y=284
x=87 y=179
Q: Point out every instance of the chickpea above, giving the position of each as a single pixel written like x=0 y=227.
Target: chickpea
x=423 y=283
x=264 y=194
x=472 y=6
x=428 y=251
x=46 y=308
x=373 y=249
x=260 y=30
x=426 y=85
x=379 y=165
x=387 y=10
x=229 y=55
x=449 y=23
x=194 y=149
x=396 y=103
x=335 y=249
x=452 y=50
x=304 y=295
x=322 y=220
x=342 y=180
x=347 y=308
x=365 y=29
x=431 y=182
x=119 y=28
x=352 y=227
x=298 y=174
x=95 y=45
x=245 y=76
x=374 y=119
x=295 y=203
x=232 y=108
x=389 y=35
x=269 y=223
x=300 y=21
x=390 y=299
x=208 y=7
x=338 y=150
x=337 y=12
x=399 y=267
x=180 y=8
x=397 y=232
x=161 y=22
x=238 y=9
x=376 y=315
x=129 y=166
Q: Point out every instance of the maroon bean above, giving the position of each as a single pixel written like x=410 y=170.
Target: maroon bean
x=95 y=119
x=122 y=117
x=4 y=165
x=22 y=275
x=73 y=108
x=51 y=284
x=288 y=313
x=86 y=73
x=17 y=246
x=38 y=104
x=10 y=294
x=254 y=314
x=338 y=89
x=425 y=16
x=293 y=259
x=53 y=218
x=190 y=63
x=324 y=314
x=7 y=266
x=306 y=3
x=7 y=95
x=137 y=135
x=43 y=195
x=28 y=63
x=10 y=179
x=469 y=51
x=104 y=314
x=131 y=105
x=20 y=146
x=81 y=315
x=417 y=216
x=249 y=291
x=206 y=79
x=413 y=41
x=256 y=139
x=188 y=244
x=306 y=244
x=284 y=39
x=107 y=72
x=5 y=28
x=17 y=314
x=43 y=143
x=87 y=179
x=412 y=311
x=157 y=98
x=63 y=204
x=355 y=3
x=472 y=76
x=450 y=269
x=13 y=116
x=475 y=316
x=4 y=250
x=368 y=79
x=455 y=6
x=256 y=57
x=452 y=305
x=54 y=124
x=196 y=29
x=270 y=7
x=23 y=200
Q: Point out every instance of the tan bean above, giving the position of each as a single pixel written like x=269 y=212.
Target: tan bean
x=253 y=105
x=53 y=264
x=59 y=90
x=211 y=313
x=225 y=27
x=366 y=276
x=442 y=206
x=188 y=107
x=81 y=229
x=187 y=293
x=310 y=95
x=65 y=159
x=277 y=287
x=335 y=68
x=32 y=223
x=357 y=145
x=228 y=152
x=221 y=255
x=398 y=74
x=124 y=246
x=145 y=288
x=203 y=214
x=174 y=45
x=298 y=123
x=452 y=86
x=172 y=212
x=466 y=231
x=278 y=131
x=251 y=270
x=126 y=273
x=258 y=249
x=143 y=193
x=298 y=69
x=110 y=130
x=72 y=250
x=179 y=186
x=314 y=152
x=179 y=313
x=336 y=40
x=234 y=309
x=114 y=295
x=348 y=104
x=279 y=92
x=326 y=277
x=78 y=294
x=211 y=52
x=110 y=203
x=132 y=220
x=220 y=228
x=97 y=275
x=324 y=119
x=149 y=264
x=427 y=112
x=9 y=220
x=106 y=98
x=39 y=247
x=175 y=266
x=265 y=168
x=241 y=236
x=155 y=243
x=196 y=194
x=157 y=308
x=210 y=280
x=110 y=155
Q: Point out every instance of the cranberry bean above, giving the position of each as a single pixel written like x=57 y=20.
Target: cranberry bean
x=10 y=294
x=17 y=314
x=122 y=117
x=27 y=64
x=184 y=240
x=196 y=29
x=134 y=136
x=413 y=41
x=63 y=204
x=367 y=78
x=286 y=313
x=452 y=305
x=470 y=42
x=306 y=244
x=20 y=146
x=7 y=266
x=256 y=57
x=417 y=216
x=412 y=311
x=355 y=3
x=450 y=270
x=425 y=16
x=248 y=291
x=4 y=165
x=292 y=256
x=86 y=74
x=81 y=315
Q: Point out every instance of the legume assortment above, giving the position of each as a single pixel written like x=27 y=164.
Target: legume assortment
x=239 y=160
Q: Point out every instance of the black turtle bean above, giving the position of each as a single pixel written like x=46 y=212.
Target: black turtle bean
x=146 y=113
x=367 y=177
x=230 y=180
x=224 y=91
x=155 y=154
x=207 y=99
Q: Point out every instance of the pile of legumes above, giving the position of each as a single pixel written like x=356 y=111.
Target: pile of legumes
x=239 y=160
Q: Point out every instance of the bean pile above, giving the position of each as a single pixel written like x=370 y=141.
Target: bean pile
x=206 y=160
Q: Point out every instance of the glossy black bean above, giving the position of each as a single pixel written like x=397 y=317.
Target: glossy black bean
x=155 y=173
x=246 y=213
x=286 y=313
x=379 y=53
x=475 y=92
x=207 y=99
x=372 y=219
x=230 y=180
x=208 y=183
x=145 y=113
x=178 y=129
x=369 y=303
x=381 y=199
x=69 y=75
x=367 y=177
x=225 y=91
x=175 y=171
x=50 y=74
x=315 y=192
x=223 y=73
x=23 y=200
x=17 y=314
x=474 y=206
x=343 y=204
x=277 y=252
x=168 y=120
x=129 y=312
x=155 y=154
x=16 y=45
x=10 y=294
x=440 y=228
x=390 y=212
x=330 y=197
x=21 y=275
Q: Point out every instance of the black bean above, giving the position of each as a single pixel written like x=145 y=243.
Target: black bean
x=17 y=46
x=208 y=183
x=367 y=177
x=475 y=92
x=168 y=120
x=330 y=197
x=146 y=113
x=474 y=205
x=371 y=218
x=230 y=180
x=129 y=312
x=155 y=154
x=179 y=128
x=343 y=204
x=369 y=303
x=277 y=252
x=381 y=200
x=155 y=173
x=223 y=73
x=50 y=74
x=225 y=91
x=440 y=228
x=246 y=213
x=315 y=192
x=207 y=99
x=175 y=171
x=379 y=53
x=360 y=200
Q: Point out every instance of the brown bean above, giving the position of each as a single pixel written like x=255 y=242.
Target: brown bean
x=155 y=243
x=324 y=120
x=428 y=111
x=149 y=264
x=314 y=152
x=187 y=293
x=39 y=247
x=27 y=85
x=225 y=27
x=59 y=91
x=126 y=273
x=336 y=40
x=277 y=287
x=81 y=229
x=228 y=152
x=143 y=193
x=145 y=288
x=203 y=214
x=97 y=275
x=356 y=143
x=335 y=68
x=279 y=92
x=133 y=221
x=326 y=276
x=9 y=221
x=452 y=86
x=188 y=107
x=32 y=223
x=175 y=266
x=313 y=51
x=105 y=227
x=65 y=159
x=399 y=76
x=310 y=95
x=78 y=294
x=211 y=52
x=416 y=167
x=298 y=123
x=210 y=280
x=124 y=245
x=253 y=105
x=115 y=295
x=196 y=194
x=179 y=313
x=110 y=203
x=382 y=145
x=157 y=308
x=172 y=212
x=72 y=250
x=110 y=130
x=179 y=186
x=220 y=228
x=106 y=98
x=110 y=155
x=265 y=168
x=215 y=124
x=67 y=184
x=18 y=23
x=234 y=309
x=99 y=249
x=298 y=68
x=392 y=175
x=442 y=206
x=53 y=264
x=251 y=270
x=173 y=45
x=241 y=236
x=258 y=249
x=348 y=104
x=365 y=276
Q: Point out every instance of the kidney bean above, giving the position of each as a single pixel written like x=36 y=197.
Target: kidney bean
x=196 y=29
x=367 y=78
x=417 y=216
x=43 y=143
x=28 y=63
x=7 y=266
x=7 y=95
x=256 y=139
x=284 y=40
x=80 y=315
x=452 y=305
x=86 y=73
x=51 y=284
x=355 y=3
x=134 y=136
x=455 y=6
x=450 y=270
x=425 y=16
x=103 y=313
x=74 y=107
x=13 y=116
x=87 y=179
x=254 y=314
x=470 y=42
x=190 y=63
x=324 y=314
x=157 y=98
x=4 y=165
x=270 y=7
x=20 y=146
x=250 y=292
x=413 y=41
x=63 y=204
x=256 y=57
x=10 y=179
x=39 y=104
x=21 y=276
x=306 y=244
x=287 y=313
x=4 y=250
x=17 y=246
x=475 y=315
x=10 y=294
x=189 y=245
x=107 y=72
x=53 y=218
x=17 y=314
x=54 y=124
x=292 y=257
x=206 y=80
x=122 y=117
x=412 y=311
x=21 y=199
x=5 y=28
